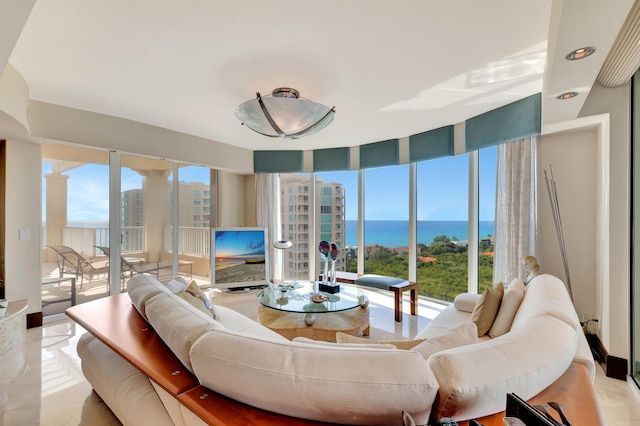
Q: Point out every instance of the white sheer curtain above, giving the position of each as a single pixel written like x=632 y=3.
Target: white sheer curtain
x=516 y=213
x=268 y=216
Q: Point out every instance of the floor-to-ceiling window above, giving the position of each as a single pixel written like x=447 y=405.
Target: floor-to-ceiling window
x=486 y=214
x=442 y=221
x=337 y=212
x=77 y=225
x=635 y=229
x=196 y=213
x=386 y=221
x=75 y=219
x=442 y=227
x=296 y=211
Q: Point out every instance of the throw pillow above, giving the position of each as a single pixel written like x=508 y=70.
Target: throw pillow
x=192 y=294
x=508 y=308
x=400 y=344
x=464 y=334
x=487 y=308
x=466 y=302
x=306 y=340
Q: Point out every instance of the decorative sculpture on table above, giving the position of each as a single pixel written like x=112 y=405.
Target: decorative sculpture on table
x=329 y=253
x=531 y=268
x=334 y=257
x=325 y=254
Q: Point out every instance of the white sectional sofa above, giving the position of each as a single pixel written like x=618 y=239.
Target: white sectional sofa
x=340 y=383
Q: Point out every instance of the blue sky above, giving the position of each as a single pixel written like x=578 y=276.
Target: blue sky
x=443 y=186
x=442 y=189
x=88 y=188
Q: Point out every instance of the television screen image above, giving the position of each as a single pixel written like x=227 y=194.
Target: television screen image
x=239 y=258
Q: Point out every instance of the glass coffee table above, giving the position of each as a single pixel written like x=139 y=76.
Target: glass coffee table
x=299 y=309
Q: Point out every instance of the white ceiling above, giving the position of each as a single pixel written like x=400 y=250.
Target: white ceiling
x=391 y=68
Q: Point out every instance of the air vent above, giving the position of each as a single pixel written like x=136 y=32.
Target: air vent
x=624 y=57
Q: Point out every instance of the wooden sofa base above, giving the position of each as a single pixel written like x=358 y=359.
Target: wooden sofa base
x=117 y=323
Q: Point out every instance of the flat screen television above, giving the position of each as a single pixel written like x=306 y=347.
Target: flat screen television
x=239 y=258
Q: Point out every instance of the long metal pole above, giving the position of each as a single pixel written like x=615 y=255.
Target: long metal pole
x=555 y=209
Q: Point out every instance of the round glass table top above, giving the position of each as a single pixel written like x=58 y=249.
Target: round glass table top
x=304 y=297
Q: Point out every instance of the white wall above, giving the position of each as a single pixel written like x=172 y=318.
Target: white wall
x=23 y=212
x=617 y=103
x=573 y=158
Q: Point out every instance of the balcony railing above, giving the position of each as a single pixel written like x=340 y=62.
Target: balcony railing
x=84 y=240
x=191 y=241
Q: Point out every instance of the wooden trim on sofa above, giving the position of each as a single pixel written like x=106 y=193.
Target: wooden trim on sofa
x=117 y=323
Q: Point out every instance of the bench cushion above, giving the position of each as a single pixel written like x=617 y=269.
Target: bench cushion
x=378 y=281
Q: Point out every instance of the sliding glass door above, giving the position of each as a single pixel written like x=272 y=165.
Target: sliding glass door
x=75 y=221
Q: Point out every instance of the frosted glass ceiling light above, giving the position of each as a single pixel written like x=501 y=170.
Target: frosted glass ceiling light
x=284 y=114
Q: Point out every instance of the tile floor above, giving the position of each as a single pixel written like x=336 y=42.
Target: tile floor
x=42 y=384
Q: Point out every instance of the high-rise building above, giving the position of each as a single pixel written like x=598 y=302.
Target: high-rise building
x=133 y=207
x=330 y=222
x=195 y=204
x=194 y=210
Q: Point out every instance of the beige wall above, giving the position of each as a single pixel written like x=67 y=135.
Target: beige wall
x=23 y=212
x=572 y=157
x=232 y=199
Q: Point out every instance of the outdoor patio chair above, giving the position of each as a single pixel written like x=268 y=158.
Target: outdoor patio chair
x=133 y=266
x=72 y=262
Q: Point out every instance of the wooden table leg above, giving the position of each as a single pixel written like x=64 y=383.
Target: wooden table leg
x=397 y=299
x=414 y=299
x=398 y=289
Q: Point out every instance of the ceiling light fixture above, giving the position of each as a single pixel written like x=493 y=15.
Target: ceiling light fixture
x=567 y=95
x=581 y=53
x=284 y=114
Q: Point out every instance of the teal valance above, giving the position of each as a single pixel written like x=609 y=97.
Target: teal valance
x=331 y=159
x=518 y=120
x=277 y=161
x=379 y=154
x=432 y=144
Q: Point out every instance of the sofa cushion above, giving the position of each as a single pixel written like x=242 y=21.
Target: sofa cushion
x=466 y=302
x=143 y=287
x=398 y=344
x=316 y=382
x=474 y=379
x=464 y=334
x=192 y=294
x=546 y=295
x=487 y=308
x=234 y=321
x=178 y=324
x=122 y=387
x=508 y=308
x=378 y=281
x=449 y=318
x=371 y=345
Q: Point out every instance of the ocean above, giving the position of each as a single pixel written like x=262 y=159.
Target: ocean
x=395 y=233
x=388 y=233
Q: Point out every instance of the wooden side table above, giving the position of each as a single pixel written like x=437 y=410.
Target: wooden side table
x=398 y=289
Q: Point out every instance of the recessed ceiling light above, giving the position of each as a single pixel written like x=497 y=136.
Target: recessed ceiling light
x=581 y=53
x=567 y=95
